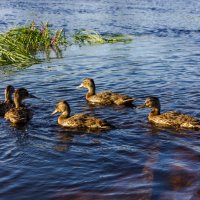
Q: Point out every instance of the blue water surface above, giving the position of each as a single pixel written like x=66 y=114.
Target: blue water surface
x=134 y=161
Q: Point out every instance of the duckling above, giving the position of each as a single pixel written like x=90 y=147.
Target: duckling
x=8 y=103
x=104 y=98
x=20 y=114
x=169 y=119
x=79 y=120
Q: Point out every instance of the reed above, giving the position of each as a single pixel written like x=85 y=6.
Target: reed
x=13 y=52
x=20 y=46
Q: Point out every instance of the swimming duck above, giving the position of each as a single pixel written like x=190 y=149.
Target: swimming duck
x=169 y=119
x=78 y=120
x=20 y=114
x=8 y=103
x=104 y=98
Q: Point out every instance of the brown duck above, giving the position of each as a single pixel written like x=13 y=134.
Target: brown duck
x=79 y=120
x=169 y=119
x=20 y=114
x=104 y=98
x=8 y=103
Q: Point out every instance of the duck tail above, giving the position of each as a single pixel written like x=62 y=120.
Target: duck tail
x=131 y=99
x=107 y=125
x=127 y=102
x=197 y=127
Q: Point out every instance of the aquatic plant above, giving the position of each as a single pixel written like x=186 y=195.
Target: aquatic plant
x=114 y=38
x=93 y=37
x=88 y=36
x=20 y=46
x=37 y=38
x=13 y=52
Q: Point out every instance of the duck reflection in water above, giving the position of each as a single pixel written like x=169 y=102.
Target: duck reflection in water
x=66 y=138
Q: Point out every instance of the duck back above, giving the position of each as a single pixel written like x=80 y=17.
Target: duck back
x=175 y=119
x=19 y=115
x=83 y=121
x=109 y=98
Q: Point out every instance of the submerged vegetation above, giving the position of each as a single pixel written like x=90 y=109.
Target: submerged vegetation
x=20 y=46
x=93 y=37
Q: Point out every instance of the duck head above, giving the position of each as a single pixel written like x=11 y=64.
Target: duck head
x=89 y=84
x=21 y=94
x=153 y=103
x=62 y=107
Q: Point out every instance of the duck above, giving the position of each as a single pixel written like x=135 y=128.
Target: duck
x=104 y=98
x=80 y=120
x=8 y=103
x=170 y=118
x=20 y=114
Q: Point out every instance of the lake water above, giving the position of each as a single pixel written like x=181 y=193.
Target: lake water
x=134 y=161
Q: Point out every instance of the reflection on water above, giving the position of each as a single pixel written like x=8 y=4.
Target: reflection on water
x=136 y=160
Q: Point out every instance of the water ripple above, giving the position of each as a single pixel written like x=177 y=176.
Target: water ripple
x=134 y=160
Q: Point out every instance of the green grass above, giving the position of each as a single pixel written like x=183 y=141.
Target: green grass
x=19 y=46
x=13 y=52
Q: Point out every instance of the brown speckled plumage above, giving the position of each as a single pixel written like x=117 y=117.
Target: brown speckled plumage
x=8 y=103
x=78 y=120
x=169 y=119
x=20 y=114
x=104 y=98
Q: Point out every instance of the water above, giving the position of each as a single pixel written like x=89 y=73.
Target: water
x=134 y=161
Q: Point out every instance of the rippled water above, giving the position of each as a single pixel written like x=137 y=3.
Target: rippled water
x=134 y=161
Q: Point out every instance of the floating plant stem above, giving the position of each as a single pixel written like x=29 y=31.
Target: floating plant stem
x=88 y=36
x=93 y=37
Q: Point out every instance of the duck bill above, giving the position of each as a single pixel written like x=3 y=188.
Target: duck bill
x=54 y=112
x=142 y=106
x=80 y=86
x=32 y=96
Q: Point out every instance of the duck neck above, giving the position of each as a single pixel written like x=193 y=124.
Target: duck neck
x=155 y=111
x=8 y=97
x=17 y=101
x=91 y=91
x=65 y=114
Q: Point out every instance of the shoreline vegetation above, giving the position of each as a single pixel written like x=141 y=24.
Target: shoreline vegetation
x=20 y=46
